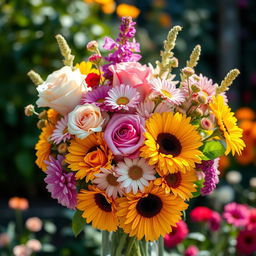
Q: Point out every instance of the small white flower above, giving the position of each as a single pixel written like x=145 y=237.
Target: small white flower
x=134 y=174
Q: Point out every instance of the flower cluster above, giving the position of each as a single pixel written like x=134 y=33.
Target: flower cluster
x=126 y=144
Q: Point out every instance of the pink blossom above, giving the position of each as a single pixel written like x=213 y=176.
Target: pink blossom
x=4 y=239
x=34 y=224
x=124 y=134
x=252 y=219
x=34 y=245
x=192 y=250
x=133 y=74
x=236 y=214
x=246 y=242
x=178 y=234
x=215 y=221
x=22 y=250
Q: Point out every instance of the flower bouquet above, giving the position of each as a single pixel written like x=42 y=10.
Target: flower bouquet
x=127 y=145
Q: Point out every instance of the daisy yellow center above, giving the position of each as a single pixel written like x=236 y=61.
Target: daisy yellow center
x=166 y=93
x=100 y=100
x=122 y=101
x=149 y=206
x=169 y=144
x=205 y=93
x=102 y=202
x=173 y=180
x=112 y=180
x=135 y=172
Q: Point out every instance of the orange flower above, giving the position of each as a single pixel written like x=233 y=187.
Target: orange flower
x=224 y=163
x=245 y=113
x=165 y=20
x=109 y=7
x=247 y=156
x=53 y=116
x=127 y=10
x=18 y=203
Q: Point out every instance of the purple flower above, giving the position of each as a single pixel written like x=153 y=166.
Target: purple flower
x=209 y=168
x=124 y=134
x=61 y=184
x=236 y=214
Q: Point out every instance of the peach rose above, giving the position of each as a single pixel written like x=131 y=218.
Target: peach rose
x=62 y=90
x=133 y=74
x=84 y=120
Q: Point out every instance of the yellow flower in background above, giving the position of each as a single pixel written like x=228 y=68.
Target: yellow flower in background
x=86 y=68
x=109 y=7
x=228 y=125
x=245 y=113
x=43 y=146
x=127 y=10
x=98 y=208
x=171 y=142
x=149 y=214
x=180 y=184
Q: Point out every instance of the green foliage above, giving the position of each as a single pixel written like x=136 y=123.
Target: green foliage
x=78 y=223
x=212 y=149
x=199 y=185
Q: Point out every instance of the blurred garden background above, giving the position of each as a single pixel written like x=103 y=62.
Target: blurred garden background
x=226 y=30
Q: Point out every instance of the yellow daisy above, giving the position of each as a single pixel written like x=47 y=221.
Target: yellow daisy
x=86 y=68
x=227 y=124
x=43 y=146
x=98 y=208
x=149 y=214
x=87 y=156
x=178 y=183
x=171 y=142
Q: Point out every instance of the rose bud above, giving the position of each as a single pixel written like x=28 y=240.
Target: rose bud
x=92 y=80
x=29 y=110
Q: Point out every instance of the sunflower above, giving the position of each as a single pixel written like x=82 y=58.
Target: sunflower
x=180 y=184
x=87 y=156
x=43 y=146
x=86 y=68
x=171 y=142
x=227 y=124
x=149 y=214
x=98 y=208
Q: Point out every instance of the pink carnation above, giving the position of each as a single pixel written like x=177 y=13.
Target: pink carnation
x=252 y=219
x=215 y=221
x=191 y=251
x=124 y=134
x=178 y=234
x=201 y=214
x=246 y=242
x=236 y=214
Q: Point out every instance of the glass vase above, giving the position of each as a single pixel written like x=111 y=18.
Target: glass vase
x=120 y=244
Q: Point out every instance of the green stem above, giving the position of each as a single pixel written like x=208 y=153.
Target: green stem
x=18 y=215
x=105 y=243
x=161 y=246
x=121 y=245
x=130 y=246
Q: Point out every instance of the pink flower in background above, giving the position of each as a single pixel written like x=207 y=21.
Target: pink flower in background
x=246 y=242
x=201 y=214
x=236 y=214
x=252 y=219
x=134 y=74
x=34 y=245
x=215 y=221
x=22 y=250
x=61 y=133
x=34 y=224
x=192 y=250
x=4 y=239
x=178 y=234
x=61 y=184
x=124 y=134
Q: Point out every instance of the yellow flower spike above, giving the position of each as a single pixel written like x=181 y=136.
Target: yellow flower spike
x=194 y=57
x=227 y=81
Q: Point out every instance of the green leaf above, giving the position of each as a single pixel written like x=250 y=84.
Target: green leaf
x=78 y=223
x=213 y=149
x=199 y=185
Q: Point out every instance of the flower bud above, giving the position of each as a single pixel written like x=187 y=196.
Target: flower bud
x=43 y=115
x=202 y=99
x=174 y=62
x=196 y=77
x=29 y=110
x=40 y=124
x=62 y=148
x=198 y=112
x=195 y=88
x=206 y=123
x=92 y=46
x=188 y=71
x=95 y=58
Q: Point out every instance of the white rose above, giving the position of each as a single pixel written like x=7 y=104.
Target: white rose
x=84 y=120
x=62 y=90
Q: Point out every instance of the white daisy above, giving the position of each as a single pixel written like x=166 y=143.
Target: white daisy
x=134 y=174
x=107 y=180
x=167 y=90
x=60 y=133
x=122 y=97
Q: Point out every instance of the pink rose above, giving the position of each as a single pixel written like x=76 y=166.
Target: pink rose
x=133 y=74
x=124 y=134
x=62 y=90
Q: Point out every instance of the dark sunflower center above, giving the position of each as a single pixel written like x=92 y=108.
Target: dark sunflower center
x=102 y=202
x=173 y=180
x=248 y=240
x=94 y=148
x=149 y=206
x=169 y=144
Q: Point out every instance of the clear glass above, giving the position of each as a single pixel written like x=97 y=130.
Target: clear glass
x=120 y=244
